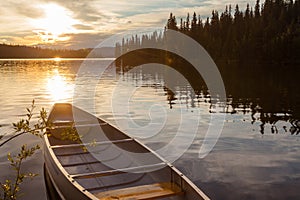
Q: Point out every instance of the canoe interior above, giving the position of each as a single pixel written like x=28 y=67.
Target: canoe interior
x=105 y=163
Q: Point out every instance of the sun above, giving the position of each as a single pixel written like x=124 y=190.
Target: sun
x=55 y=22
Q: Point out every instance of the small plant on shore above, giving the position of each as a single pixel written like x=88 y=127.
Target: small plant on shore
x=10 y=189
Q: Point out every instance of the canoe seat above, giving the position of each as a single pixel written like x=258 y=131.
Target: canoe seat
x=144 y=192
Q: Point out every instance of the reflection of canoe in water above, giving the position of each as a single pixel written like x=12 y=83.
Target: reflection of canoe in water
x=114 y=166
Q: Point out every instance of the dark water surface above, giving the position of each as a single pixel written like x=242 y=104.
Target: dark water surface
x=257 y=155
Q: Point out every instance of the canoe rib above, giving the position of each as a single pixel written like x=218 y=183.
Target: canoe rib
x=81 y=163
x=116 y=171
x=144 y=192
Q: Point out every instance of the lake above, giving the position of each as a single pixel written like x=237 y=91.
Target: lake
x=257 y=155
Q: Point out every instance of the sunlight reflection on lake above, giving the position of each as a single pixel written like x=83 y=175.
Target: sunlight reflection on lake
x=256 y=157
x=59 y=88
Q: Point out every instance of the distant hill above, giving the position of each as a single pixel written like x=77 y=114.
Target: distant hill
x=103 y=52
x=18 y=51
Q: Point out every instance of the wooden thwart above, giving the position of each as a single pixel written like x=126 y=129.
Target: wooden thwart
x=144 y=192
x=82 y=163
x=91 y=144
x=72 y=125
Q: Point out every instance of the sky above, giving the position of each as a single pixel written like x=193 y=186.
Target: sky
x=86 y=23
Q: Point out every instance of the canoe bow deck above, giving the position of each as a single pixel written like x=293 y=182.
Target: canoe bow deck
x=106 y=168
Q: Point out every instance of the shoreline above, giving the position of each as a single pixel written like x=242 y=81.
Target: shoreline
x=54 y=59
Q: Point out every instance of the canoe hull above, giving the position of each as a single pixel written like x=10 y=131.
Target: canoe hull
x=75 y=173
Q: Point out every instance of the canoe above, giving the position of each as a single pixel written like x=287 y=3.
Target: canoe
x=88 y=158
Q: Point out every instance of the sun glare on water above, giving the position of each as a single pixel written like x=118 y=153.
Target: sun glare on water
x=58 y=87
x=57 y=59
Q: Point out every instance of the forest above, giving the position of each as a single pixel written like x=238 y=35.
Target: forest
x=21 y=51
x=256 y=51
x=269 y=32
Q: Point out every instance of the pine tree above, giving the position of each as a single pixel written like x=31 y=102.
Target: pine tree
x=257 y=9
x=172 y=24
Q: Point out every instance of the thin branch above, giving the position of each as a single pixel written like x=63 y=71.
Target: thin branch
x=11 y=138
x=19 y=134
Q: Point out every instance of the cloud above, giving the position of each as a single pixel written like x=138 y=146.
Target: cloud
x=83 y=10
x=28 y=10
x=95 y=18
x=85 y=40
x=20 y=8
x=83 y=27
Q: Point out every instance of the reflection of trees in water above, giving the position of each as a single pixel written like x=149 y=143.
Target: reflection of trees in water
x=170 y=97
x=268 y=92
x=295 y=129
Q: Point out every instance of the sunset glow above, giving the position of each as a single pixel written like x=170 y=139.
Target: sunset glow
x=56 y=22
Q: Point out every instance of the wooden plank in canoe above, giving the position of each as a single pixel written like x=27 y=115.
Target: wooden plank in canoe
x=144 y=192
x=92 y=143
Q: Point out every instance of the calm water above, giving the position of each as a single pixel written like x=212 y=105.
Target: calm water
x=254 y=158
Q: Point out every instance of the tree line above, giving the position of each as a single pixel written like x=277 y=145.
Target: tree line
x=269 y=32
x=20 y=51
